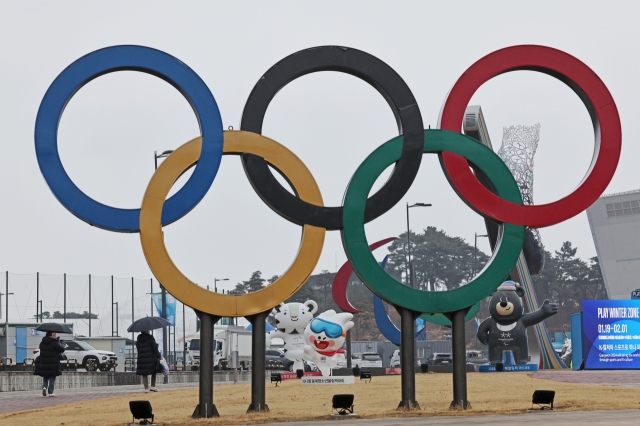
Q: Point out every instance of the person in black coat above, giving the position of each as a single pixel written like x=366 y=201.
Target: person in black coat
x=48 y=362
x=148 y=357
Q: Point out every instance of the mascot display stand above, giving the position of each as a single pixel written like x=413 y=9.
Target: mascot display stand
x=505 y=331
x=310 y=339
x=291 y=321
x=325 y=336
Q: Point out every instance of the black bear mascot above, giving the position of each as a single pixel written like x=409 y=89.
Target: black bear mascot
x=506 y=329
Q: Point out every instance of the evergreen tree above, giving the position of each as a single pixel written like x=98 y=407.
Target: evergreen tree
x=255 y=283
x=441 y=262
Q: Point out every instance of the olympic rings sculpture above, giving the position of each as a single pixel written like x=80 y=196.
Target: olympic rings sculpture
x=457 y=152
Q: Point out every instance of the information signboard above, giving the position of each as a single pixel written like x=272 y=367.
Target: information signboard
x=611 y=334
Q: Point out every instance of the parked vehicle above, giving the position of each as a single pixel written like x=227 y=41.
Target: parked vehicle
x=439 y=359
x=343 y=364
x=310 y=366
x=367 y=360
x=274 y=358
x=87 y=356
x=476 y=357
x=232 y=347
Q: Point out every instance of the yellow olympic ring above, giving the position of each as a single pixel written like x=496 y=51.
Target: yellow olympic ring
x=189 y=293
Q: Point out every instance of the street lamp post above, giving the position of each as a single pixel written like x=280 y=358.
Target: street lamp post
x=6 y=310
x=215 y=283
x=407 y=339
x=475 y=250
x=165 y=340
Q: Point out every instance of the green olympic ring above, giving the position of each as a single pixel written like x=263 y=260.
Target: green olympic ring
x=510 y=237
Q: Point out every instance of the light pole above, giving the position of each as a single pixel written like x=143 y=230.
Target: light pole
x=6 y=310
x=165 y=340
x=215 y=283
x=407 y=330
x=475 y=251
x=411 y=273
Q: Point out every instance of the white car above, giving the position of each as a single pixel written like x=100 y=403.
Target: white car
x=395 y=359
x=367 y=360
x=87 y=356
x=310 y=366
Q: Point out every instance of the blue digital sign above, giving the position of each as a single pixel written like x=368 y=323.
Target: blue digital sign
x=611 y=334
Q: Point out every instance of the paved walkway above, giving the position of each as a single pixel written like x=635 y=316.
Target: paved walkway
x=625 y=378
x=29 y=400
x=19 y=401
x=593 y=418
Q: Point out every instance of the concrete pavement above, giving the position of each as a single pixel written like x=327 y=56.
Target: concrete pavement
x=592 y=418
x=29 y=400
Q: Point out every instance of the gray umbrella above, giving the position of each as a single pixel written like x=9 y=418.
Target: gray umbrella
x=148 y=323
x=54 y=326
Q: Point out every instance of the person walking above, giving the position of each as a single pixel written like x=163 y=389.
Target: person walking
x=48 y=362
x=148 y=357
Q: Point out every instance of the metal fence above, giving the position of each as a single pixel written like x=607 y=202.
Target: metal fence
x=95 y=305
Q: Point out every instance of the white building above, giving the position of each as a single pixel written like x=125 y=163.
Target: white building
x=615 y=226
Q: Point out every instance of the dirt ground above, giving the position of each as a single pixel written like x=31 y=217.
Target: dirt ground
x=506 y=393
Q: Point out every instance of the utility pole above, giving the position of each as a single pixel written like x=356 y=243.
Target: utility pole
x=89 y=305
x=475 y=250
x=165 y=340
x=64 y=292
x=37 y=293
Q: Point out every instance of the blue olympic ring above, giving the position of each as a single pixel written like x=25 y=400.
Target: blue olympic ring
x=127 y=58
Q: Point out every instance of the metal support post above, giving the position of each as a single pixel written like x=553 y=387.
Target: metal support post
x=459 y=355
x=64 y=292
x=348 y=348
x=112 y=303
x=165 y=339
x=132 y=307
x=89 y=305
x=151 y=296
x=258 y=326
x=407 y=359
x=6 y=301
x=184 y=342
x=206 y=408
x=37 y=294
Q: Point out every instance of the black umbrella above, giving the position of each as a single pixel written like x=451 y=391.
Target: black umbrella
x=148 y=323
x=54 y=326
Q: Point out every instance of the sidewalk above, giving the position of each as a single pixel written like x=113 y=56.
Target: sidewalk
x=29 y=400
x=593 y=418
x=624 y=378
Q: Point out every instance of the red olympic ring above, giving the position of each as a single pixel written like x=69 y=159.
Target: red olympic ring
x=340 y=281
x=596 y=98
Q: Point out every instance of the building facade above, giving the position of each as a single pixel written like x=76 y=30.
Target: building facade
x=615 y=225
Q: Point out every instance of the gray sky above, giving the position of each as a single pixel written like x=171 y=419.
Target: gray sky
x=331 y=121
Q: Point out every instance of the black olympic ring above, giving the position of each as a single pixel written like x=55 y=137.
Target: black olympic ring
x=366 y=67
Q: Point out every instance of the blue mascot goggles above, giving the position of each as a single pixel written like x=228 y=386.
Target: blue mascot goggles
x=331 y=329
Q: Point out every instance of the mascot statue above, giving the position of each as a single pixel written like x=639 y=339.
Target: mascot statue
x=324 y=338
x=291 y=321
x=506 y=329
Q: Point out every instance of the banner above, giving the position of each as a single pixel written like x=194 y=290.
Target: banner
x=171 y=306
x=611 y=334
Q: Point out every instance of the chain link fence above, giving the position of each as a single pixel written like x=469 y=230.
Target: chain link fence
x=95 y=305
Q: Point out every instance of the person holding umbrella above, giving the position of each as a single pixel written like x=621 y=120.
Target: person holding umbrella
x=48 y=365
x=148 y=358
x=148 y=354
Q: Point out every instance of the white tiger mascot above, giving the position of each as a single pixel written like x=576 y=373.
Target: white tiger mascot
x=291 y=320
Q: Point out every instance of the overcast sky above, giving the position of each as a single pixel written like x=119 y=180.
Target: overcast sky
x=332 y=121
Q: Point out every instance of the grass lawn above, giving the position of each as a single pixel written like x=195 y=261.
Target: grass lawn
x=505 y=393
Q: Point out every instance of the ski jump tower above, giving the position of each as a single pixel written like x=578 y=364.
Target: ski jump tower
x=517 y=151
